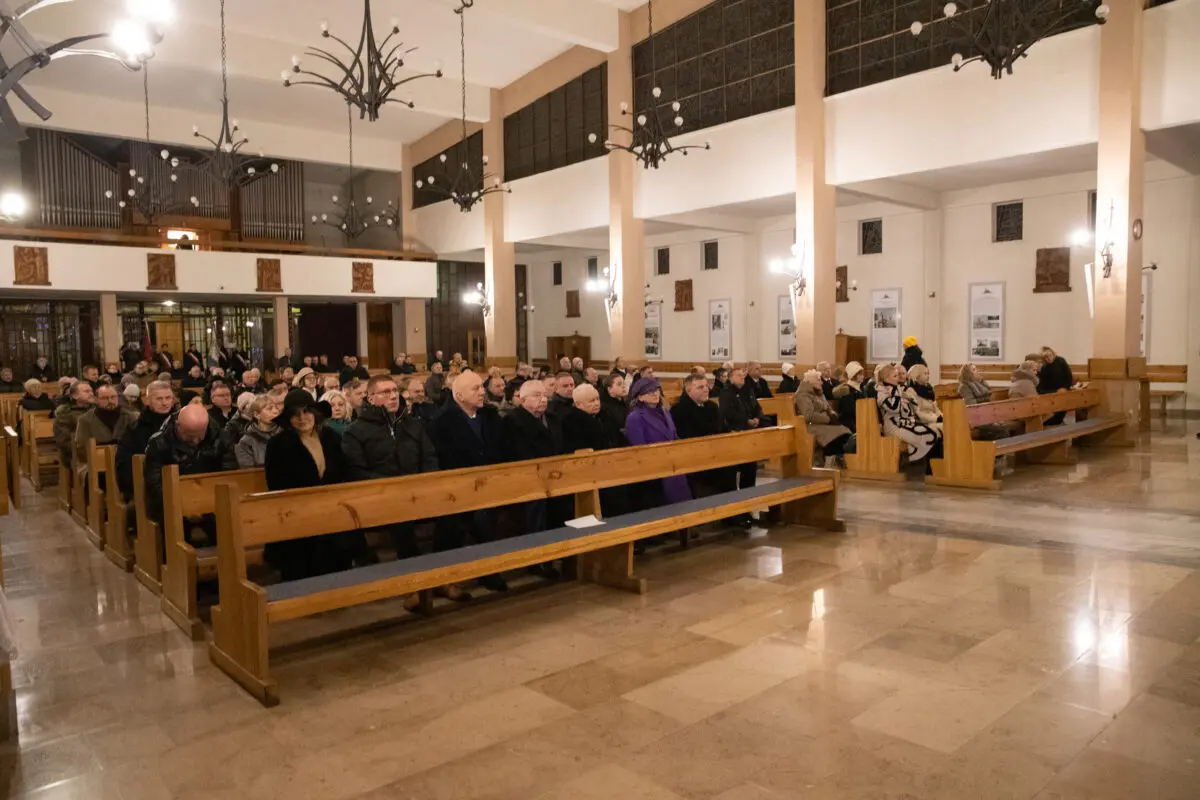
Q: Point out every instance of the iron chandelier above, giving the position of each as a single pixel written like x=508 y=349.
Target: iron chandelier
x=466 y=188
x=1005 y=30
x=135 y=38
x=648 y=140
x=369 y=79
x=349 y=218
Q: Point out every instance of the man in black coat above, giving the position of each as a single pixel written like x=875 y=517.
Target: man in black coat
x=386 y=442
x=192 y=358
x=468 y=433
x=613 y=408
x=159 y=401
x=757 y=383
x=587 y=427
x=189 y=439
x=1054 y=376
x=352 y=370
x=695 y=415
x=166 y=362
x=563 y=400
x=529 y=432
x=740 y=411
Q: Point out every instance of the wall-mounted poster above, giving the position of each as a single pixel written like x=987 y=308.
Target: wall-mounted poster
x=787 y=328
x=654 y=331
x=985 y=320
x=720 y=333
x=885 y=325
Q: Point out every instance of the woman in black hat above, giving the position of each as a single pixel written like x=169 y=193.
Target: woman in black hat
x=306 y=453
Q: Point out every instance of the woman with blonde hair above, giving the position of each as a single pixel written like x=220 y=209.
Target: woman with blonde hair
x=972 y=388
x=920 y=393
x=900 y=419
x=822 y=421
x=340 y=413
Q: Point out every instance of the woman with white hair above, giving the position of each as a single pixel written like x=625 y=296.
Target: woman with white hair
x=819 y=416
x=900 y=418
x=789 y=384
x=847 y=394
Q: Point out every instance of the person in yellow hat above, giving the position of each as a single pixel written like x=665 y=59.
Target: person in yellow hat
x=912 y=353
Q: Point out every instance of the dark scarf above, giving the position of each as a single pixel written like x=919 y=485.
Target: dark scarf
x=109 y=416
x=923 y=390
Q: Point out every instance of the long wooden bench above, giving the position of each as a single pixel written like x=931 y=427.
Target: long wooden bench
x=876 y=457
x=116 y=512
x=96 y=509
x=605 y=552
x=184 y=565
x=148 y=539
x=12 y=458
x=40 y=449
x=971 y=464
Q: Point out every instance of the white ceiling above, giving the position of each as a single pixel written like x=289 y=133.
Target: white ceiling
x=1007 y=170
x=505 y=39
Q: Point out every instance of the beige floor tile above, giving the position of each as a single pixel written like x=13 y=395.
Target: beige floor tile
x=1156 y=731
x=1170 y=625
x=608 y=782
x=1092 y=686
x=1097 y=775
x=1054 y=731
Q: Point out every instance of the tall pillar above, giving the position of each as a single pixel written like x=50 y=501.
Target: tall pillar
x=499 y=256
x=816 y=202
x=931 y=332
x=280 y=314
x=1116 y=363
x=360 y=339
x=626 y=233
x=110 y=329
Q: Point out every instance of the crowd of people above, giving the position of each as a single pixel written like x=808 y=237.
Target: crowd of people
x=310 y=426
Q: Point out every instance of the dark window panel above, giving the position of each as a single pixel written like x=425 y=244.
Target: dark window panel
x=593 y=115
x=710 y=29
x=558 y=151
x=764 y=91
x=870 y=8
x=787 y=87
x=873 y=27
x=843 y=61
x=666 y=82
x=911 y=64
x=738 y=100
x=541 y=120
x=737 y=26
x=908 y=13
x=642 y=87
x=763 y=53
x=737 y=62
x=712 y=70
x=907 y=43
x=641 y=58
x=712 y=108
x=786 y=36
x=687 y=77
x=664 y=46
x=846 y=15
x=842 y=83
x=878 y=72
x=593 y=79
x=842 y=36
x=525 y=125
x=558 y=110
x=687 y=37
x=761 y=16
x=689 y=109
x=785 y=12
x=882 y=50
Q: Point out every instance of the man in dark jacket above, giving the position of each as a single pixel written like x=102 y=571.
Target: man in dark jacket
x=912 y=353
x=192 y=357
x=529 y=432
x=740 y=411
x=468 y=433
x=563 y=400
x=43 y=371
x=438 y=358
x=1054 y=376
x=158 y=404
x=695 y=415
x=106 y=422
x=352 y=370
x=166 y=362
x=613 y=408
x=757 y=383
x=386 y=442
x=585 y=427
x=66 y=418
x=189 y=439
x=220 y=399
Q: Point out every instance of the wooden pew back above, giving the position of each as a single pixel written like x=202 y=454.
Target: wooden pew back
x=876 y=457
x=12 y=457
x=1029 y=408
x=96 y=511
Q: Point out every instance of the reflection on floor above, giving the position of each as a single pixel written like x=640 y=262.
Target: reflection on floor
x=1044 y=642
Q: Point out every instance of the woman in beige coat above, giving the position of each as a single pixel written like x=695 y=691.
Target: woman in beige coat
x=819 y=416
x=920 y=393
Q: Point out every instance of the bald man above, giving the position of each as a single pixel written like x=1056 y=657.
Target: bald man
x=584 y=428
x=468 y=433
x=189 y=439
x=530 y=432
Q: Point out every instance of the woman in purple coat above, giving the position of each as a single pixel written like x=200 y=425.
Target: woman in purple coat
x=649 y=423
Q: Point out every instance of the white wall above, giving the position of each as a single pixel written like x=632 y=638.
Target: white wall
x=441 y=228
x=98 y=268
x=1170 y=62
x=549 y=317
x=566 y=200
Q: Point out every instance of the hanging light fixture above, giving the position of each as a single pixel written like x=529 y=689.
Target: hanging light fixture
x=133 y=40
x=13 y=206
x=349 y=219
x=1005 y=29
x=153 y=195
x=648 y=140
x=226 y=164
x=465 y=188
x=371 y=77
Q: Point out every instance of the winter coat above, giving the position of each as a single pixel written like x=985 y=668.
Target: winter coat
x=44 y=374
x=759 y=388
x=646 y=425
x=738 y=407
x=377 y=445
x=92 y=427
x=338 y=426
x=66 y=417
x=231 y=434
x=974 y=392
x=845 y=402
x=900 y=420
x=166 y=448
x=692 y=419
x=1055 y=376
x=925 y=404
x=818 y=415
x=458 y=445
x=788 y=385
x=435 y=385
x=133 y=443
x=502 y=406
x=584 y=431
x=558 y=408
x=527 y=437
x=1024 y=384
x=11 y=387
x=221 y=419
x=912 y=357
x=614 y=411
x=827 y=387
x=289 y=465
x=40 y=403
x=251 y=449
x=347 y=374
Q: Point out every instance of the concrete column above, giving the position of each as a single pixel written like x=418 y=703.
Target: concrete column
x=755 y=304
x=931 y=334
x=361 y=330
x=414 y=330
x=499 y=256
x=816 y=203
x=110 y=328
x=626 y=233
x=1120 y=161
x=282 y=330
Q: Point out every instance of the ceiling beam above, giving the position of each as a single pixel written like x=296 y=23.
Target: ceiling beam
x=1179 y=147
x=588 y=23
x=713 y=222
x=893 y=191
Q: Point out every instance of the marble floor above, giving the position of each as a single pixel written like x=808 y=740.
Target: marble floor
x=1041 y=643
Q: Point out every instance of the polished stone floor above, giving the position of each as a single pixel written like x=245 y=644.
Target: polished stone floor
x=1041 y=643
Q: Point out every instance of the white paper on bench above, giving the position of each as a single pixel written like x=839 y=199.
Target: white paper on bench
x=589 y=521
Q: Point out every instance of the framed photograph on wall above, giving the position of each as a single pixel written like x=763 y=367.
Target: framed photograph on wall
x=985 y=321
x=720 y=331
x=654 y=331
x=787 y=328
x=885 y=325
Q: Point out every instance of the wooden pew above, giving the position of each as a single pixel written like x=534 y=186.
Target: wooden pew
x=41 y=451
x=9 y=409
x=184 y=565
x=1161 y=373
x=876 y=457
x=116 y=513
x=96 y=522
x=970 y=464
x=605 y=552
x=12 y=458
x=148 y=542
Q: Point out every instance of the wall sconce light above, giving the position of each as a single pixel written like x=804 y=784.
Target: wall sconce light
x=932 y=295
x=1153 y=266
x=853 y=285
x=794 y=268
x=651 y=300
x=607 y=285
x=478 y=298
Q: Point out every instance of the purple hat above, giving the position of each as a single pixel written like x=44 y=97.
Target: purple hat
x=644 y=386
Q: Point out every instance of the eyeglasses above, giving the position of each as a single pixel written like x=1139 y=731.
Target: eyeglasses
x=385 y=392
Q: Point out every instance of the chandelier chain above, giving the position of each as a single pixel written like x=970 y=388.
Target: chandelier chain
x=462 y=63
x=224 y=67
x=146 y=97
